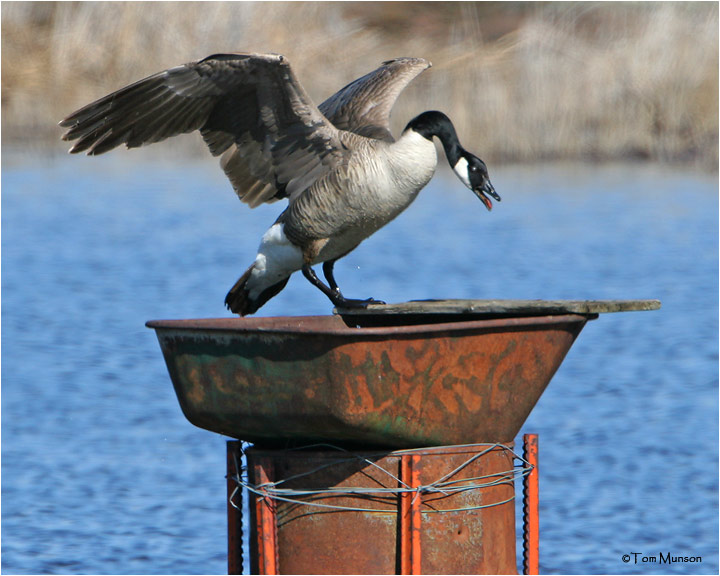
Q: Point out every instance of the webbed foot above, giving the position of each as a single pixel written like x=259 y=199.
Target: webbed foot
x=342 y=302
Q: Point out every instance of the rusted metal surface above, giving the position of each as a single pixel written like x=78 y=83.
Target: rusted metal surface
x=410 y=516
x=310 y=379
x=264 y=536
x=531 y=502
x=314 y=540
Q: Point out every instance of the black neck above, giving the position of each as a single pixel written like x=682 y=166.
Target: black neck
x=435 y=123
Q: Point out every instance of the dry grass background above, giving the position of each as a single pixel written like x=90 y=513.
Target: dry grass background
x=522 y=81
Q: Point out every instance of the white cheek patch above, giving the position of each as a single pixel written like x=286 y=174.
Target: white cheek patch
x=461 y=169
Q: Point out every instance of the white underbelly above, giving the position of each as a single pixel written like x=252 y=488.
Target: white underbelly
x=277 y=258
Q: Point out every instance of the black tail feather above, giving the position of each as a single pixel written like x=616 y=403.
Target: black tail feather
x=238 y=299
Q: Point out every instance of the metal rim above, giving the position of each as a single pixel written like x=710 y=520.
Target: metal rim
x=335 y=326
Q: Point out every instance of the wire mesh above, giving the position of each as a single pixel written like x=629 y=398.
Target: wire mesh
x=448 y=484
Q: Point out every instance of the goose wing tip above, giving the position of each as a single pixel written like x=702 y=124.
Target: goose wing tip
x=408 y=61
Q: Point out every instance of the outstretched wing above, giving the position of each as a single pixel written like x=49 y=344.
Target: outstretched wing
x=248 y=107
x=364 y=105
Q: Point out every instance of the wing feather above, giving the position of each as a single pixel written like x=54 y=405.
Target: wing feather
x=364 y=105
x=249 y=108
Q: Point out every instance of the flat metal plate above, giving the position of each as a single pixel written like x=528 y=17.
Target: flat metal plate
x=502 y=307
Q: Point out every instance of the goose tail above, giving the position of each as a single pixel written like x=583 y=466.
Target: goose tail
x=243 y=299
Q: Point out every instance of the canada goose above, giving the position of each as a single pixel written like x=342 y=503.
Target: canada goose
x=338 y=165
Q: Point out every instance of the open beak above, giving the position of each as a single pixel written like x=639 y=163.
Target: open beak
x=484 y=191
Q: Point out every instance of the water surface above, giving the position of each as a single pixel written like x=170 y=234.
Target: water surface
x=102 y=474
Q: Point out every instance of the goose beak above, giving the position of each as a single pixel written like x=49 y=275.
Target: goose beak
x=484 y=191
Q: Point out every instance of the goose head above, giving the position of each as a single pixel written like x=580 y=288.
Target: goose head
x=473 y=172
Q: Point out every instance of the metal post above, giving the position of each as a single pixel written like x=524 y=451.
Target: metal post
x=234 y=509
x=410 y=516
x=266 y=521
x=531 y=525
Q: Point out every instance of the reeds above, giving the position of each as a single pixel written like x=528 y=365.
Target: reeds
x=522 y=83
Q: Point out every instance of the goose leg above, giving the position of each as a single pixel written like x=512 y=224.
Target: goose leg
x=328 y=267
x=332 y=291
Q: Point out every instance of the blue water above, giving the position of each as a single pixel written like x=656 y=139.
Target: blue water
x=102 y=474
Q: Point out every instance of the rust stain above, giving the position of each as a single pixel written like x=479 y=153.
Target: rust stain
x=471 y=400
x=471 y=382
x=196 y=392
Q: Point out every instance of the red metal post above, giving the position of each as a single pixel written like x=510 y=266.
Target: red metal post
x=410 y=516
x=266 y=521
x=531 y=528
x=234 y=515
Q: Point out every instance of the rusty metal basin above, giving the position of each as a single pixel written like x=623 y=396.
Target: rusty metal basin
x=289 y=380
